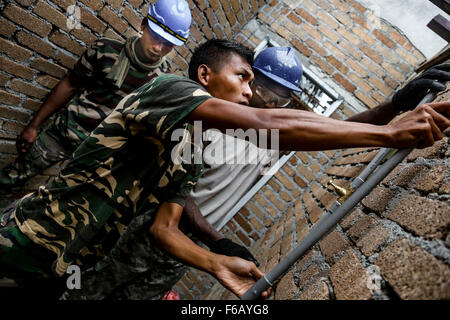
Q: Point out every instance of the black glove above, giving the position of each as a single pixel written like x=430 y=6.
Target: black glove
x=433 y=79
x=229 y=248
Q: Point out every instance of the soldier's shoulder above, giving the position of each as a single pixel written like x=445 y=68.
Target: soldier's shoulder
x=109 y=44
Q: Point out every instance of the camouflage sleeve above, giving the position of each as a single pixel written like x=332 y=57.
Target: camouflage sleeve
x=161 y=105
x=84 y=69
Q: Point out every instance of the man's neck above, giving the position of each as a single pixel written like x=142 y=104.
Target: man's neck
x=140 y=54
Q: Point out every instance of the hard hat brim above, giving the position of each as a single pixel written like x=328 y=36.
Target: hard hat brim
x=163 y=34
x=279 y=80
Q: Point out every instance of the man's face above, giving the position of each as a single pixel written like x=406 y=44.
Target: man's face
x=151 y=47
x=232 y=81
x=268 y=93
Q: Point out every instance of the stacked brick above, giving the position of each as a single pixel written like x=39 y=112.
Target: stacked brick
x=40 y=42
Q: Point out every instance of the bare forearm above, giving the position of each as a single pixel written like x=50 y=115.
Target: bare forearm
x=193 y=219
x=55 y=100
x=380 y=115
x=179 y=246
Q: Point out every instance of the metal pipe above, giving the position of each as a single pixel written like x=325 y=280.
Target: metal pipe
x=327 y=223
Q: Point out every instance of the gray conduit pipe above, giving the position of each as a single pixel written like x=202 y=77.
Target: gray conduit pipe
x=327 y=223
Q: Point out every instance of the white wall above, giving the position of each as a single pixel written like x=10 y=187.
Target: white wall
x=412 y=17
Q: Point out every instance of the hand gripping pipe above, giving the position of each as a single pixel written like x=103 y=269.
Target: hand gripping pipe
x=327 y=223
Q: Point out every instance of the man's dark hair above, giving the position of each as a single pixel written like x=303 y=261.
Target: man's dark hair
x=214 y=53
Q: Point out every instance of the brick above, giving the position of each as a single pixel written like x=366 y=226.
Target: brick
x=317 y=291
x=322 y=64
x=435 y=151
x=347 y=46
x=9 y=98
x=7 y=29
x=347 y=222
x=308 y=17
x=4 y=78
x=349 y=278
x=243 y=223
x=14 y=51
x=284 y=180
x=310 y=274
x=333 y=244
x=361 y=227
x=65 y=60
x=28 y=89
x=378 y=199
x=380 y=36
x=16 y=69
x=424 y=217
x=32 y=104
x=48 y=67
x=51 y=14
x=408 y=174
x=342 y=18
x=91 y=21
x=84 y=35
x=337 y=52
x=316 y=47
x=301 y=47
x=131 y=17
x=360 y=84
x=116 y=4
x=47 y=81
x=344 y=82
x=349 y=36
x=324 y=17
x=95 y=5
x=337 y=64
x=13 y=114
x=380 y=85
x=368 y=101
x=312 y=31
x=67 y=43
x=413 y=273
x=295 y=19
x=25 y=19
x=35 y=44
x=327 y=32
x=371 y=54
x=371 y=241
x=113 y=20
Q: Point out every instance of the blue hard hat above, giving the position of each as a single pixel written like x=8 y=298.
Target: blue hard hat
x=281 y=65
x=171 y=20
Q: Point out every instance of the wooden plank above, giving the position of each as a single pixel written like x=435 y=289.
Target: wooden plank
x=442 y=4
x=440 y=26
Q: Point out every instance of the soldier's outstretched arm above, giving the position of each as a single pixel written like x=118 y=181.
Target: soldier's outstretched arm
x=434 y=79
x=236 y=274
x=54 y=101
x=305 y=131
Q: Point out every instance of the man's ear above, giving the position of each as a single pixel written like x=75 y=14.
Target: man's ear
x=203 y=74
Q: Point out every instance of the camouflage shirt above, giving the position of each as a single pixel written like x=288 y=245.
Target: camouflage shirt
x=122 y=170
x=97 y=96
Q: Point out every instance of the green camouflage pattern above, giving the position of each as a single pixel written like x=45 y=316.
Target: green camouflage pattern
x=95 y=99
x=124 y=169
x=135 y=269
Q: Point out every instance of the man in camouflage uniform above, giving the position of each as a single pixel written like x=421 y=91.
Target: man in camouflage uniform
x=125 y=173
x=104 y=75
